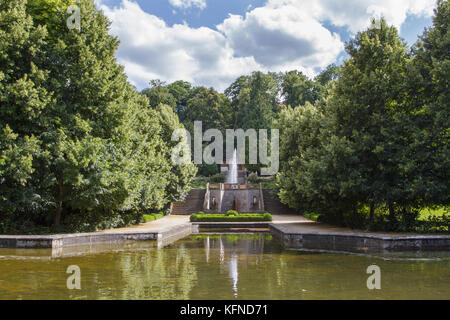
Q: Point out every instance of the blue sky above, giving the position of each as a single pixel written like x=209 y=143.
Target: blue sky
x=212 y=42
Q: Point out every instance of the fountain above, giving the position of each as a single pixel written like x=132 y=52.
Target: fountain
x=232 y=174
x=234 y=194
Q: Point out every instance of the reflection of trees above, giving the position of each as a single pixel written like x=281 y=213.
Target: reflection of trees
x=167 y=273
x=226 y=267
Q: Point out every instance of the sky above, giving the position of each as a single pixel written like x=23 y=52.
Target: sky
x=213 y=42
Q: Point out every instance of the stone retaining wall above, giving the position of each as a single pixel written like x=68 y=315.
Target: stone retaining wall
x=58 y=241
x=359 y=242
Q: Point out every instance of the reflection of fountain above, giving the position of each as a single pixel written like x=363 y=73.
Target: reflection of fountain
x=234 y=273
x=221 y=251
x=207 y=248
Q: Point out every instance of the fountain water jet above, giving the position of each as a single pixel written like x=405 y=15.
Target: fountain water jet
x=235 y=193
x=232 y=175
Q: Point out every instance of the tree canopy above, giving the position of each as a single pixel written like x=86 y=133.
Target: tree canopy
x=89 y=149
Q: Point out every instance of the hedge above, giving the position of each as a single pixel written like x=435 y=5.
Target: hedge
x=153 y=216
x=243 y=217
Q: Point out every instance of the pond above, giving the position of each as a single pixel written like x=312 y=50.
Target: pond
x=226 y=266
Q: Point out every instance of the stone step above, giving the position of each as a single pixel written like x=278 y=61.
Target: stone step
x=274 y=206
x=192 y=204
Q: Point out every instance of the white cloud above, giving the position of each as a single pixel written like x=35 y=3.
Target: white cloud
x=356 y=14
x=150 y=49
x=281 y=36
x=184 y=4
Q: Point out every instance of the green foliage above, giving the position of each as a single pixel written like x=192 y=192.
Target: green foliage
x=153 y=216
x=242 y=217
x=376 y=150
x=298 y=89
x=362 y=145
x=253 y=100
x=199 y=182
x=79 y=146
x=208 y=170
x=208 y=106
x=233 y=213
x=253 y=178
x=218 y=178
x=159 y=94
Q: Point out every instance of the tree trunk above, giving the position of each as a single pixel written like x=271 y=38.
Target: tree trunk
x=372 y=211
x=58 y=213
x=391 y=212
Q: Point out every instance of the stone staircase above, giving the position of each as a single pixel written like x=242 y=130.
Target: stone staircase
x=192 y=204
x=274 y=206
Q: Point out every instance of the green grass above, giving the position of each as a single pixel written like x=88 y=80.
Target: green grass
x=242 y=217
x=153 y=216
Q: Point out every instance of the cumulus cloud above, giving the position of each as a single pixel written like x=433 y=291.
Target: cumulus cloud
x=279 y=38
x=151 y=49
x=184 y=4
x=282 y=35
x=356 y=14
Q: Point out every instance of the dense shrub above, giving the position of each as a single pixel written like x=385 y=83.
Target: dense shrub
x=218 y=178
x=242 y=217
x=253 y=178
x=208 y=170
x=153 y=216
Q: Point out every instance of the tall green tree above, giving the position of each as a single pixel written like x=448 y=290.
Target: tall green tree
x=357 y=156
x=428 y=84
x=158 y=94
x=90 y=151
x=368 y=109
x=298 y=89
x=23 y=101
x=209 y=107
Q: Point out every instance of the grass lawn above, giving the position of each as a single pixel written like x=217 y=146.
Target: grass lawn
x=424 y=215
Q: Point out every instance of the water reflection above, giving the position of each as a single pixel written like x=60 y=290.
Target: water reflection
x=234 y=274
x=218 y=267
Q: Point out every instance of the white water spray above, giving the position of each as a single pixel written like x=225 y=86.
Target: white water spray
x=232 y=176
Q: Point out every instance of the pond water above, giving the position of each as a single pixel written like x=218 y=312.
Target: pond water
x=251 y=266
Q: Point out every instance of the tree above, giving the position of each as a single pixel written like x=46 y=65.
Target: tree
x=181 y=91
x=259 y=102
x=180 y=176
x=430 y=111
x=352 y=156
x=78 y=142
x=158 y=94
x=209 y=107
x=235 y=93
x=368 y=108
x=23 y=100
x=298 y=89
